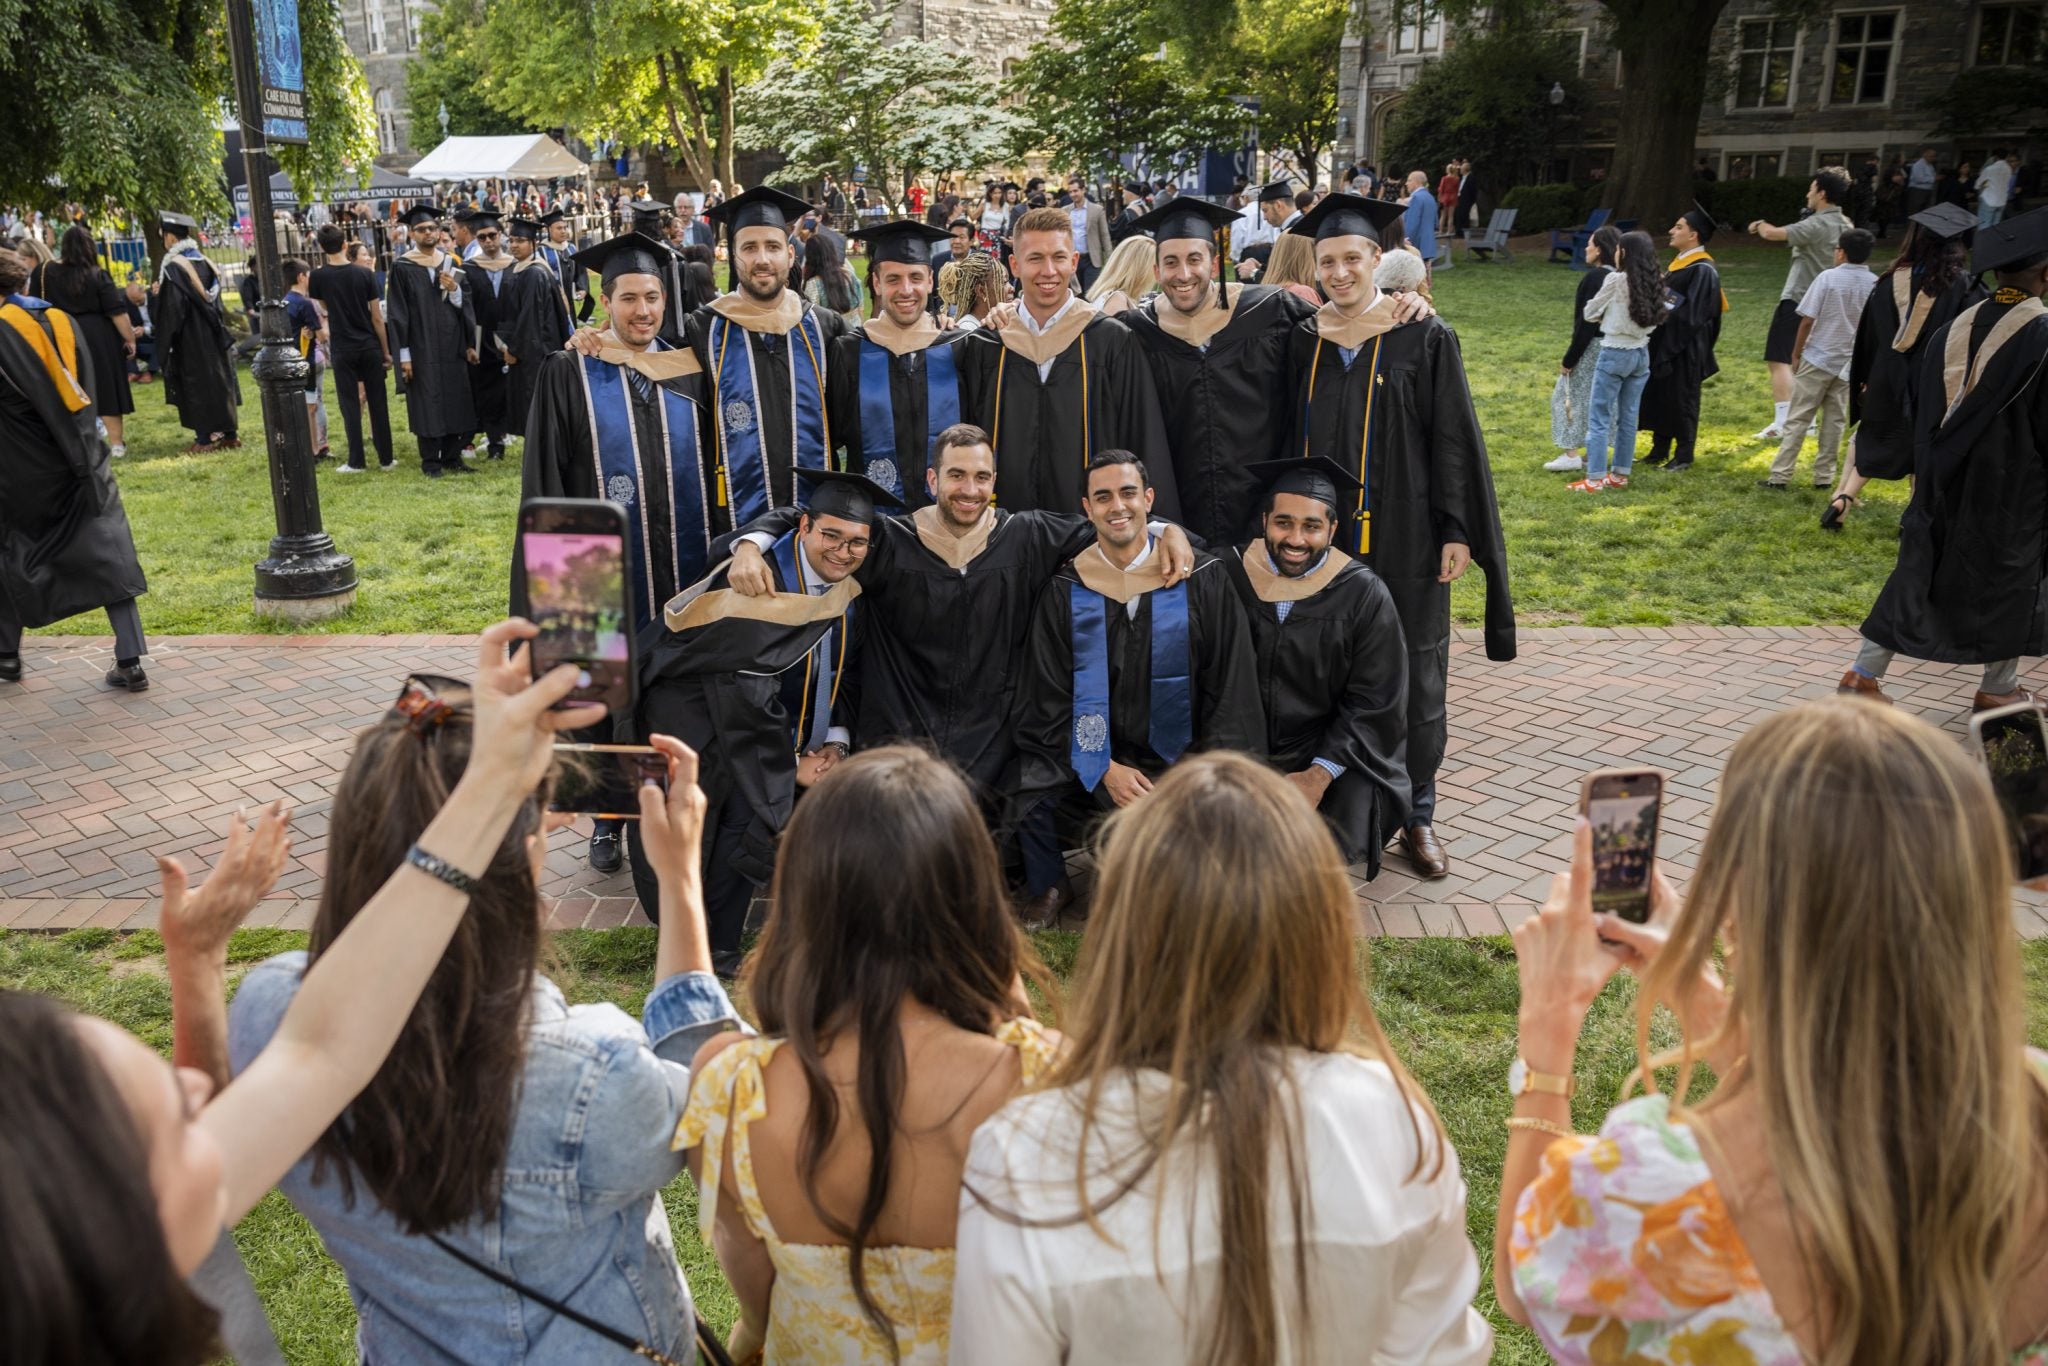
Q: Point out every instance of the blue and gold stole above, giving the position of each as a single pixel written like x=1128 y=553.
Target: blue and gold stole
x=881 y=342
x=1172 y=721
x=744 y=472
x=820 y=694
x=615 y=449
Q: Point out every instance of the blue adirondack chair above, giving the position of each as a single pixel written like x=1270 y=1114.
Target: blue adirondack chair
x=1569 y=244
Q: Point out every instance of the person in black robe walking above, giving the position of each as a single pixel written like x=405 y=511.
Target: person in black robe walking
x=430 y=317
x=78 y=285
x=195 y=354
x=1123 y=676
x=1682 y=347
x=1332 y=667
x=1973 y=542
x=65 y=546
x=487 y=273
x=536 y=320
x=1390 y=403
x=1057 y=382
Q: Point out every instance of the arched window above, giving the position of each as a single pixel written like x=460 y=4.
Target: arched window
x=387 y=120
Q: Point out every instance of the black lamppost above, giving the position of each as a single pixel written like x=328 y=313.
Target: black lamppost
x=304 y=578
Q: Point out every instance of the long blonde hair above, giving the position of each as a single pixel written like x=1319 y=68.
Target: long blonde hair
x=1224 y=931
x=1131 y=269
x=1293 y=262
x=1859 y=866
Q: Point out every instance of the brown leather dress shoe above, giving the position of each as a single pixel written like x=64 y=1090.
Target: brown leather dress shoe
x=1419 y=843
x=1863 y=685
x=1988 y=701
x=1043 y=911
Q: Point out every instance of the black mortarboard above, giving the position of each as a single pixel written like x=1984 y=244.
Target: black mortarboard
x=1348 y=215
x=550 y=218
x=2013 y=243
x=1185 y=216
x=901 y=239
x=1946 y=220
x=631 y=253
x=1277 y=190
x=421 y=213
x=176 y=222
x=1701 y=220
x=852 y=496
x=1316 y=476
x=1137 y=187
x=647 y=215
x=761 y=207
x=523 y=227
x=476 y=220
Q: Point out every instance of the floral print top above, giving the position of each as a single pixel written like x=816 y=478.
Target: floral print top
x=1624 y=1255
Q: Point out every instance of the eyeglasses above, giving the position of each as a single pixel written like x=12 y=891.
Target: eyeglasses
x=421 y=703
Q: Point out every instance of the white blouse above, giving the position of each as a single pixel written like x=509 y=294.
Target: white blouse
x=1393 y=1272
x=1609 y=308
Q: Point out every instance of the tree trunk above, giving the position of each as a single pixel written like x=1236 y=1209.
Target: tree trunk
x=1663 y=83
x=689 y=142
x=725 y=139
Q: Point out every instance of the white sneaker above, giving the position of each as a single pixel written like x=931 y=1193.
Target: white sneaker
x=117 y=450
x=345 y=468
x=386 y=466
x=1770 y=433
x=1566 y=463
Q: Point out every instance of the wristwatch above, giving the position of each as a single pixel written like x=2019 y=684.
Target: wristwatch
x=1522 y=1079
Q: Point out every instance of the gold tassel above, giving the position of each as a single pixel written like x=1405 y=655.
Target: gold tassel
x=721 y=485
x=1365 y=533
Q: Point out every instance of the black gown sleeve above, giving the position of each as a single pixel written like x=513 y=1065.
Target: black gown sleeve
x=555 y=457
x=1461 y=484
x=1045 y=695
x=775 y=522
x=1137 y=405
x=1226 y=671
x=1368 y=733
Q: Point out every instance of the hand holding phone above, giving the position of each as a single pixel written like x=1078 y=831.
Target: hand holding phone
x=1622 y=807
x=605 y=780
x=572 y=569
x=2012 y=743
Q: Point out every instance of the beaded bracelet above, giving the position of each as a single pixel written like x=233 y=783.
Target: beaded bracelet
x=441 y=869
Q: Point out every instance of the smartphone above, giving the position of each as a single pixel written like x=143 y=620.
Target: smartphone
x=605 y=780
x=1622 y=807
x=572 y=570
x=2013 y=743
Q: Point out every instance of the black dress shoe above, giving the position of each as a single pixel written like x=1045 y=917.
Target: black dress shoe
x=129 y=676
x=604 y=851
x=457 y=467
x=497 y=452
x=1677 y=465
x=1419 y=843
x=10 y=668
x=1043 y=911
x=726 y=963
x=1653 y=461
x=1772 y=485
x=432 y=471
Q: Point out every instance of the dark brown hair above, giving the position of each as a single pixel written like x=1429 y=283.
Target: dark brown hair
x=14 y=270
x=429 y=1133
x=86 y=1276
x=887 y=885
x=75 y=248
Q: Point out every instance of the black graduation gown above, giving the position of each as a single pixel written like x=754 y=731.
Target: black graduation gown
x=1430 y=484
x=1040 y=453
x=1973 y=542
x=771 y=365
x=536 y=325
x=1225 y=406
x=1882 y=381
x=1225 y=684
x=909 y=411
x=1682 y=353
x=194 y=352
x=434 y=333
x=1333 y=684
x=487 y=384
x=65 y=546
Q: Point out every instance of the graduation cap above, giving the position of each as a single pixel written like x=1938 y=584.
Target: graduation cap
x=2015 y=244
x=632 y=253
x=1348 y=215
x=177 y=223
x=476 y=220
x=761 y=207
x=1316 y=476
x=1184 y=216
x=902 y=239
x=1137 y=187
x=1701 y=220
x=550 y=218
x=851 y=496
x=523 y=227
x=1945 y=221
x=1274 y=192
x=421 y=214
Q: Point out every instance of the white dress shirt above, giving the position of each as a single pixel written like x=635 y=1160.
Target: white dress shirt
x=1038 y=329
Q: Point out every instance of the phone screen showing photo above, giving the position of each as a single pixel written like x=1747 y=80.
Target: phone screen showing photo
x=576 y=588
x=607 y=782
x=2016 y=754
x=1623 y=814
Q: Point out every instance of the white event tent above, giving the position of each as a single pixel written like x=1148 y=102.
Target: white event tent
x=522 y=156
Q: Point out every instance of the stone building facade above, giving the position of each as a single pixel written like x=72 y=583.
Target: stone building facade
x=1783 y=99
x=384 y=35
x=996 y=33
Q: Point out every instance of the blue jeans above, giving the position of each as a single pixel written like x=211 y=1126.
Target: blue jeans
x=1989 y=215
x=1618 y=382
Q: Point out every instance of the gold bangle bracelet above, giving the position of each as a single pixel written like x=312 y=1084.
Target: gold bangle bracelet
x=1542 y=1126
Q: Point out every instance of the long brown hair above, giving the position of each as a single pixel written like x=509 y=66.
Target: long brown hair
x=1224 y=931
x=1858 y=864
x=887 y=886
x=428 y=1135
x=86 y=1277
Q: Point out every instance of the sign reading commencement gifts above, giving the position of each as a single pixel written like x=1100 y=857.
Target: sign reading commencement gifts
x=280 y=70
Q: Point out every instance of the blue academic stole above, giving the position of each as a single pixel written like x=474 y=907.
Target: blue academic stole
x=747 y=486
x=878 y=411
x=820 y=692
x=1173 y=713
x=616 y=447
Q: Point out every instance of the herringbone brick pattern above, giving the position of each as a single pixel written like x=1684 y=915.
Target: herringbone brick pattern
x=94 y=784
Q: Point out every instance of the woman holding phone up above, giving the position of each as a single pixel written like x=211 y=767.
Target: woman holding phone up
x=1868 y=1181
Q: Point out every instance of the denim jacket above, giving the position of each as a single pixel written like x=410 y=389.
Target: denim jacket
x=580 y=1217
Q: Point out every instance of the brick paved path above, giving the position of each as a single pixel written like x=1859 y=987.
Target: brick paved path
x=95 y=783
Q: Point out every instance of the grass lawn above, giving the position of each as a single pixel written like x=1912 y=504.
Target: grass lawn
x=1701 y=547
x=1448 y=1004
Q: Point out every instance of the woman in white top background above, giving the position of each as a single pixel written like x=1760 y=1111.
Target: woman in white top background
x=1228 y=1164
x=1630 y=304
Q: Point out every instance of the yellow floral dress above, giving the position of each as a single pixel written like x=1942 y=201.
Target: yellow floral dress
x=1624 y=1255
x=813 y=1316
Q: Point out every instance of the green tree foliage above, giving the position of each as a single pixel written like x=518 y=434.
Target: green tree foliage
x=1103 y=82
x=852 y=98
x=1984 y=101
x=449 y=72
x=114 y=104
x=1487 y=98
x=1282 y=53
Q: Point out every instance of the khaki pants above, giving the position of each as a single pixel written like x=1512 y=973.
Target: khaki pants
x=1813 y=390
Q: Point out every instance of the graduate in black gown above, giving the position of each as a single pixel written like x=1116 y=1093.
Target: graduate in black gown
x=1332 y=667
x=1927 y=286
x=1389 y=402
x=430 y=316
x=536 y=319
x=1219 y=358
x=560 y=254
x=193 y=349
x=1682 y=347
x=487 y=273
x=1973 y=543
x=1059 y=382
x=1122 y=676
x=764 y=688
x=647 y=217
x=895 y=382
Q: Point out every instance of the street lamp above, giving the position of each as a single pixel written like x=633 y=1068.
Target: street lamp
x=1556 y=98
x=442 y=115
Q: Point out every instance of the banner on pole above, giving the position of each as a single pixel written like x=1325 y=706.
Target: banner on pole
x=280 y=70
